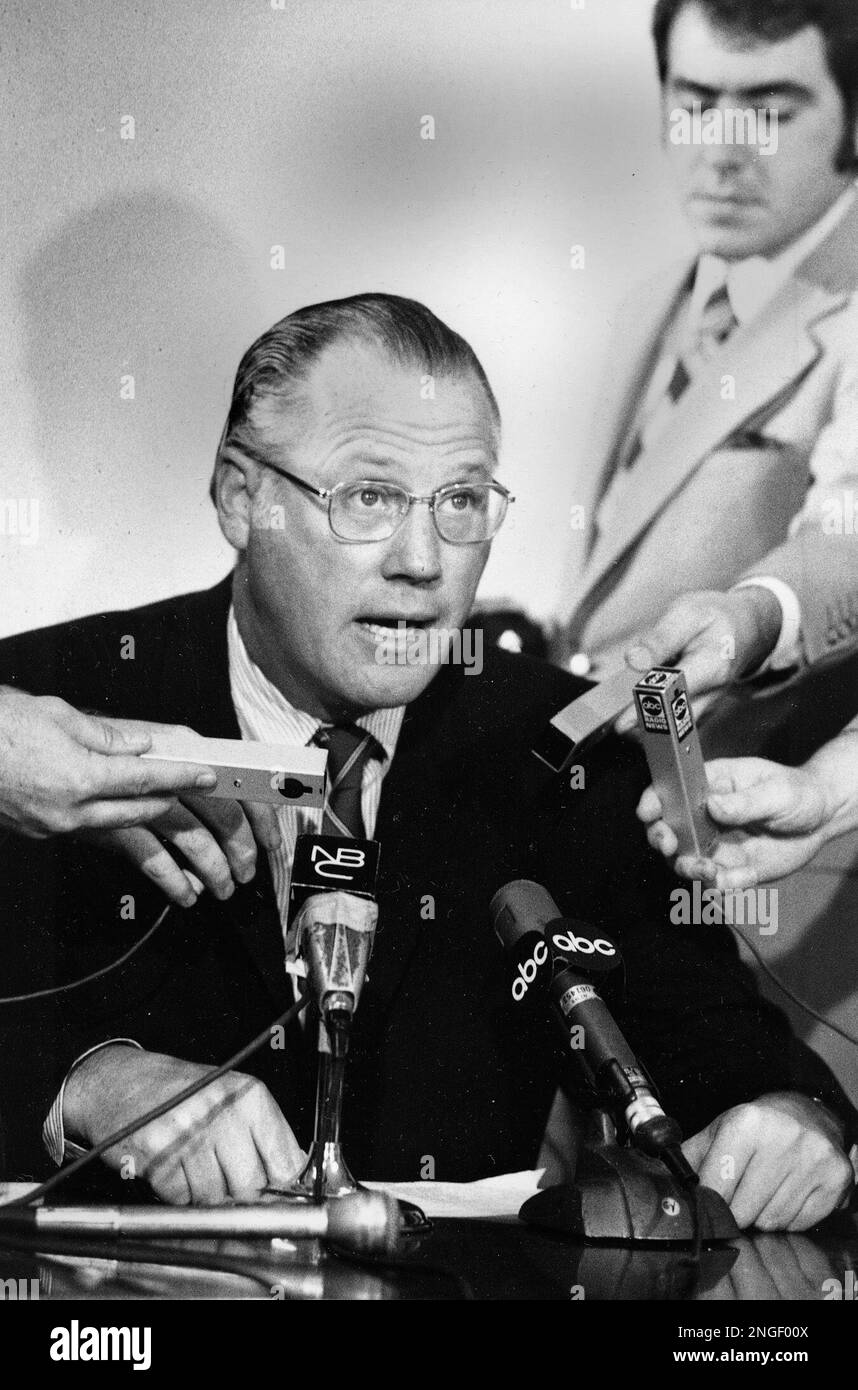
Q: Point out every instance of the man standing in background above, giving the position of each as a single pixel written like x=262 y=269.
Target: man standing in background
x=730 y=419
x=724 y=536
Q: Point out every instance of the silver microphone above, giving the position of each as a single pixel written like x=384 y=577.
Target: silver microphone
x=363 y=1222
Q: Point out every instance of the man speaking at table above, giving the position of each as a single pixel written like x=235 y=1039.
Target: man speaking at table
x=355 y=480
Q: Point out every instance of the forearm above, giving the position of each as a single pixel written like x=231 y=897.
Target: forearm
x=85 y=1083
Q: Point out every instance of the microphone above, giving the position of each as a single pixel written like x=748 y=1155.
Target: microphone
x=332 y=920
x=333 y=915
x=366 y=1223
x=563 y=960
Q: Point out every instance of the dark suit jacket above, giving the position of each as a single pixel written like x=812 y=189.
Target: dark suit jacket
x=441 y=1065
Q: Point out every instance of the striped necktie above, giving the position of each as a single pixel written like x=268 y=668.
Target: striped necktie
x=717 y=322
x=349 y=749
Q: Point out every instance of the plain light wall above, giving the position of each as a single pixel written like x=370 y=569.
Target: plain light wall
x=300 y=127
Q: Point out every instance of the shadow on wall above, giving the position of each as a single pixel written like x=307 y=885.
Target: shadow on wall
x=135 y=314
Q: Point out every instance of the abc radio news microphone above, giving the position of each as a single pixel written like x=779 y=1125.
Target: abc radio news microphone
x=559 y=960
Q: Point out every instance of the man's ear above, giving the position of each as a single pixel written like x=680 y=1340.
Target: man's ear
x=234 y=502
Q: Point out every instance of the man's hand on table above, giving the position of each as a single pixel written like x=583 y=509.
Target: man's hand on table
x=777 y=1161
x=229 y=1141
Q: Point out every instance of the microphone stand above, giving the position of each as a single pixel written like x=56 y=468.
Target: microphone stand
x=336 y=938
x=326 y=1173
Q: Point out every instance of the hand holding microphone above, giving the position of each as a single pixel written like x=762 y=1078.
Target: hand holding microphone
x=772 y=820
x=63 y=771
x=716 y=638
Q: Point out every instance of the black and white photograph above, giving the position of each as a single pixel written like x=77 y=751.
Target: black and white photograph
x=429 y=668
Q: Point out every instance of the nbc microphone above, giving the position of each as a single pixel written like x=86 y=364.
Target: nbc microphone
x=332 y=919
x=561 y=960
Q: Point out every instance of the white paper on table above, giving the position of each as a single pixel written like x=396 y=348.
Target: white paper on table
x=489 y=1197
x=11 y=1191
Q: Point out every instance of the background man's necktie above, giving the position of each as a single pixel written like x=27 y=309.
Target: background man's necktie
x=349 y=749
x=717 y=322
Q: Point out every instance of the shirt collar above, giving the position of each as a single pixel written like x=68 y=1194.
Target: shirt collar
x=264 y=713
x=753 y=282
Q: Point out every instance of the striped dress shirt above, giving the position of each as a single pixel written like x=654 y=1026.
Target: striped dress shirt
x=264 y=714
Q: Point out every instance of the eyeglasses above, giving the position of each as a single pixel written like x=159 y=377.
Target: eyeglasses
x=464 y=513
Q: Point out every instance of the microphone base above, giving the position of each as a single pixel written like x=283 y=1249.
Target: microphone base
x=337 y=1181
x=621 y=1196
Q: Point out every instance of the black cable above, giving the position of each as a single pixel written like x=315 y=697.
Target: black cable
x=784 y=989
x=96 y=974
x=92 y=1154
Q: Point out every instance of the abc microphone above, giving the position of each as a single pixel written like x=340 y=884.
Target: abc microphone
x=559 y=959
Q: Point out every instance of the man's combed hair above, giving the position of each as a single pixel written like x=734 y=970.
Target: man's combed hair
x=276 y=366
x=769 y=21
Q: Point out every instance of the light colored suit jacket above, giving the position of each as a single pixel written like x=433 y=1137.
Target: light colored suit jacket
x=756 y=472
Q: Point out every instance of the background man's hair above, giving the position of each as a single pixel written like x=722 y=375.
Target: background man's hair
x=276 y=367
x=768 y=21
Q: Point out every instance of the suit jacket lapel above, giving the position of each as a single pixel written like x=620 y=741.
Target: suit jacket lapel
x=632 y=362
x=766 y=358
x=196 y=691
x=195 y=682
x=411 y=832
x=255 y=915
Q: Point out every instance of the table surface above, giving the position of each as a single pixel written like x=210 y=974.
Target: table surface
x=458 y=1259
